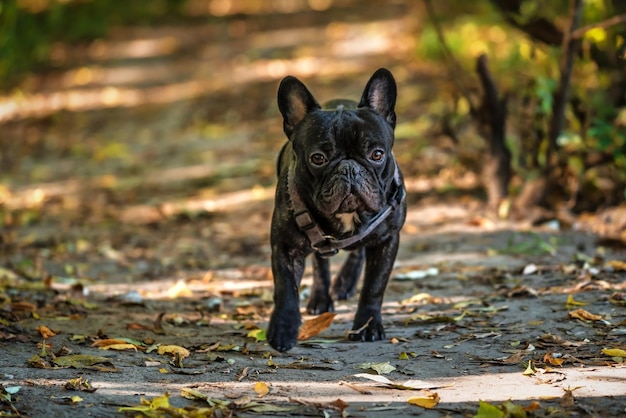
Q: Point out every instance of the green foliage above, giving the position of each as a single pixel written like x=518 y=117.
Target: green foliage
x=544 y=90
x=28 y=30
x=527 y=72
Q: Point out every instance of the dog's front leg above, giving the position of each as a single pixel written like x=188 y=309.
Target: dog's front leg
x=287 y=268
x=378 y=265
x=320 y=300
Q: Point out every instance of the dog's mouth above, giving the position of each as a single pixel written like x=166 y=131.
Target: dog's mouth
x=349 y=204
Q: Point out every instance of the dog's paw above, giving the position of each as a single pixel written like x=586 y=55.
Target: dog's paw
x=318 y=304
x=282 y=332
x=368 y=328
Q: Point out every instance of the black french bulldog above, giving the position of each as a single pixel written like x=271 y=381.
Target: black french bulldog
x=339 y=187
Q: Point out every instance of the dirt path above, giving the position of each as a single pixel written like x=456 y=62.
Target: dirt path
x=136 y=191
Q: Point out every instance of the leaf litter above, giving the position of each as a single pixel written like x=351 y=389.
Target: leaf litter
x=184 y=294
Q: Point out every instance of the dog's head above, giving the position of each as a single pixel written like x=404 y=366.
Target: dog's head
x=344 y=166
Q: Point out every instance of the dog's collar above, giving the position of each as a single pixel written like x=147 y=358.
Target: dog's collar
x=327 y=245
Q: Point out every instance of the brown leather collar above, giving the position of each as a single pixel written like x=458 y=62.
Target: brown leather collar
x=327 y=245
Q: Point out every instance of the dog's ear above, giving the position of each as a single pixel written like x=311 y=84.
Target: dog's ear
x=380 y=95
x=294 y=102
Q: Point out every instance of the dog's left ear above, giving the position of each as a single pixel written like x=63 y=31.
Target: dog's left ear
x=380 y=95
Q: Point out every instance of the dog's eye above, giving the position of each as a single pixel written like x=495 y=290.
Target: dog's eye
x=318 y=159
x=377 y=155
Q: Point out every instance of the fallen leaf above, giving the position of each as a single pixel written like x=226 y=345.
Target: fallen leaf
x=137 y=326
x=549 y=358
x=81 y=384
x=193 y=394
x=617 y=265
x=428 y=400
x=261 y=389
x=45 y=332
x=147 y=406
x=258 y=334
x=487 y=410
x=175 y=350
x=23 y=307
x=533 y=406
x=570 y=303
x=614 y=352
x=408 y=385
x=179 y=290
x=584 y=315
x=119 y=347
x=529 y=369
x=314 y=326
x=380 y=368
x=111 y=341
x=407 y=356
x=80 y=361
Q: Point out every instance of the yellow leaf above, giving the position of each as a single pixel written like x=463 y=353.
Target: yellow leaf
x=583 y=315
x=571 y=302
x=258 y=334
x=119 y=347
x=45 y=332
x=549 y=359
x=163 y=370
x=76 y=399
x=173 y=349
x=314 y=326
x=617 y=265
x=179 y=290
x=149 y=406
x=529 y=370
x=429 y=400
x=261 y=389
x=614 y=352
x=108 y=341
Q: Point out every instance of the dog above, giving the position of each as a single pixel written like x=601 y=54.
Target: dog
x=339 y=188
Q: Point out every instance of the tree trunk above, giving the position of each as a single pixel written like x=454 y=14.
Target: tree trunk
x=491 y=120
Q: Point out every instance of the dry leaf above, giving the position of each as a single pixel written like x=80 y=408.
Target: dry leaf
x=174 y=350
x=550 y=359
x=261 y=389
x=80 y=361
x=584 y=315
x=119 y=347
x=529 y=370
x=616 y=265
x=428 y=400
x=314 y=326
x=23 y=307
x=108 y=341
x=45 y=332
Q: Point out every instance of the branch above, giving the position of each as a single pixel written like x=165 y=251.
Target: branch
x=615 y=20
x=569 y=48
x=454 y=67
x=538 y=28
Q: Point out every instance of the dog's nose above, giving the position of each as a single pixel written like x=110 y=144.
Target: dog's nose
x=349 y=168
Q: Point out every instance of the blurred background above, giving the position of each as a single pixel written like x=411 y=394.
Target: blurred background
x=143 y=135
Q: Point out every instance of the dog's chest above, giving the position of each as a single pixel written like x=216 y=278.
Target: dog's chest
x=348 y=220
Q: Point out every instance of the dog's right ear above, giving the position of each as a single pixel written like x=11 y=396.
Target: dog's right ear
x=294 y=102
